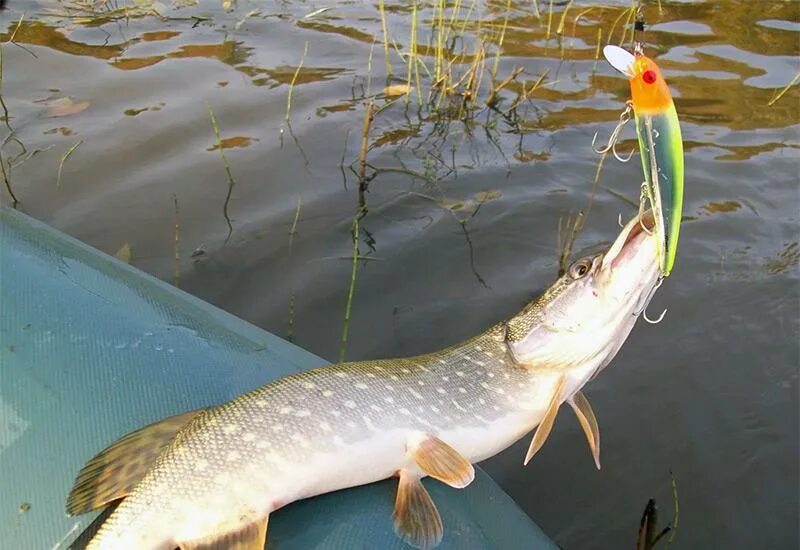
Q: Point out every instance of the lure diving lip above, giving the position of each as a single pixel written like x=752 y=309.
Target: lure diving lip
x=660 y=143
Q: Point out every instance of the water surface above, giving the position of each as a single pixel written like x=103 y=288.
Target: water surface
x=463 y=218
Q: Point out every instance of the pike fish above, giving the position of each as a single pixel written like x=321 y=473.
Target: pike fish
x=210 y=478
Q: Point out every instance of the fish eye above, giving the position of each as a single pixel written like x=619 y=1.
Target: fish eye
x=580 y=268
x=649 y=76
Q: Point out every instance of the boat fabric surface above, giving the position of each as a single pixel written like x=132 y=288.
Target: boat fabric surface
x=92 y=348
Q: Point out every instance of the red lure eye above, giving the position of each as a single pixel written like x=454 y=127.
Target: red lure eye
x=649 y=76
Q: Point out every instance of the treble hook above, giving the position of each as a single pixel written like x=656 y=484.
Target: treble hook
x=644 y=197
x=647 y=303
x=613 y=139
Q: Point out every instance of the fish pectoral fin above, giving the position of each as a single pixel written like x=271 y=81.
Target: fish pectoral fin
x=440 y=461
x=583 y=410
x=115 y=470
x=546 y=424
x=416 y=519
x=252 y=536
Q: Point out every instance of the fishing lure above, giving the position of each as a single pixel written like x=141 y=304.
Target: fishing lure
x=660 y=144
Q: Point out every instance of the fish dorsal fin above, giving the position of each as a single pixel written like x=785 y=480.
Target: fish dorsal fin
x=583 y=410
x=115 y=470
x=416 y=519
x=252 y=536
x=440 y=461
x=546 y=424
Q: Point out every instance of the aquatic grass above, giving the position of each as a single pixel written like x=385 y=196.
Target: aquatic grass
x=64 y=158
x=292 y=83
x=227 y=166
x=292 y=233
x=781 y=93
x=384 y=28
x=7 y=121
x=176 y=244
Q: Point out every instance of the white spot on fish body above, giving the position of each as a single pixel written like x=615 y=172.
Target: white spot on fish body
x=415 y=394
x=462 y=390
x=368 y=423
x=434 y=409
x=445 y=379
x=442 y=361
x=495 y=407
x=459 y=407
x=325 y=426
x=480 y=363
x=350 y=404
x=335 y=413
x=248 y=437
x=389 y=387
x=370 y=375
x=303 y=413
x=361 y=386
x=389 y=399
x=229 y=429
x=441 y=390
x=405 y=371
x=420 y=382
x=285 y=410
x=404 y=411
x=232 y=456
x=490 y=374
x=394 y=377
x=482 y=401
x=459 y=373
x=300 y=438
x=341 y=374
x=222 y=478
x=201 y=465
x=375 y=408
x=309 y=385
x=478 y=348
x=327 y=393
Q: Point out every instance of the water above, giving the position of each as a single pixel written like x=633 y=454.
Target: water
x=710 y=394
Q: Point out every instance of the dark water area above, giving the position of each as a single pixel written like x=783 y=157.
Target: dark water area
x=110 y=138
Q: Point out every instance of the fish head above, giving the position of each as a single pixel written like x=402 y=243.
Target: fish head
x=589 y=311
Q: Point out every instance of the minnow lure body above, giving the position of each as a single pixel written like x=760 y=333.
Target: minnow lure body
x=209 y=479
x=660 y=143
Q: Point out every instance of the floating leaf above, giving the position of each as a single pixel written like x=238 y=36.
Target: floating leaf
x=396 y=90
x=231 y=142
x=65 y=107
x=486 y=196
x=453 y=204
x=718 y=207
x=63 y=130
x=124 y=253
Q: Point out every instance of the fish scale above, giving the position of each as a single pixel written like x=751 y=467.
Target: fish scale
x=223 y=472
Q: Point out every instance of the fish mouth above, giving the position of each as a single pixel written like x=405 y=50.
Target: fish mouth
x=636 y=232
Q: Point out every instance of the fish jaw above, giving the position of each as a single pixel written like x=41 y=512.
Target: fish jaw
x=581 y=329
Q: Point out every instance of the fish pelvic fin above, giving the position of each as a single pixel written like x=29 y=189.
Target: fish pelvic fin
x=546 y=424
x=440 y=461
x=583 y=410
x=416 y=519
x=114 y=472
x=252 y=536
